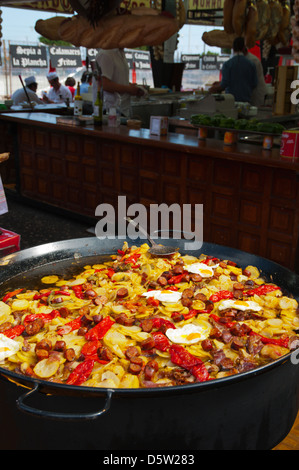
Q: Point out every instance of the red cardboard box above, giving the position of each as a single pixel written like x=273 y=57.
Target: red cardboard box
x=9 y=242
x=289 y=146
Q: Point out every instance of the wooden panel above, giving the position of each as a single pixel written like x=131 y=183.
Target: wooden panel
x=222 y=205
x=128 y=183
x=26 y=136
x=42 y=163
x=72 y=144
x=279 y=251
x=57 y=166
x=150 y=159
x=249 y=242
x=281 y=219
x=250 y=212
x=90 y=148
x=221 y=235
x=26 y=159
x=40 y=139
x=171 y=192
x=252 y=179
x=284 y=185
x=56 y=142
x=197 y=169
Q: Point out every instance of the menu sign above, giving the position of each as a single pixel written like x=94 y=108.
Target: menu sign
x=209 y=62
x=191 y=61
x=67 y=57
x=28 y=56
x=142 y=59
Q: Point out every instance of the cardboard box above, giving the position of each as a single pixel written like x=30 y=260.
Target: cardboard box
x=289 y=146
x=9 y=242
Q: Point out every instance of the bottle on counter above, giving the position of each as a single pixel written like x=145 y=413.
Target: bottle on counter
x=78 y=103
x=134 y=78
x=113 y=112
x=98 y=108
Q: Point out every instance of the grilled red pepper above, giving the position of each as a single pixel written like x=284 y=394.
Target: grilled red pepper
x=81 y=373
x=99 y=331
x=70 y=326
x=90 y=349
x=133 y=259
x=176 y=279
x=194 y=313
x=14 y=331
x=153 y=302
x=162 y=322
x=223 y=294
x=182 y=358
x=161 y=341
x=110 y=272
x=283 y=342
x=78 y=291
x=222 y=320
x=40 y=296
x=11 y=294
x=207 y=260
x=46 y=317
x=62 y=292
x=261 y=290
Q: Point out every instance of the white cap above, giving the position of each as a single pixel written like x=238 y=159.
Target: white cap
x=52 y=75
x=30 y=80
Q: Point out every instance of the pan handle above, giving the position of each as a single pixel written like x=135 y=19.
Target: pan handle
x=57 y=415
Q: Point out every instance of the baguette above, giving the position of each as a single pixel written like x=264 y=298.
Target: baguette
x=118 y=31
x=218 y=38
x=49 y=28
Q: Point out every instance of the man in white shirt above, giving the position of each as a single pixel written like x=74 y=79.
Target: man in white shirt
x=58 y=93
x=115 y=80
x=19 y=96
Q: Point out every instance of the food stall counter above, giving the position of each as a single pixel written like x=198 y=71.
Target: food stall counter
x=250 y=196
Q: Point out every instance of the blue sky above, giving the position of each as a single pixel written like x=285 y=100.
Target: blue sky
x=18 y=27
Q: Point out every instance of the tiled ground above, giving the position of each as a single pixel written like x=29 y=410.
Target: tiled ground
x=37 y=226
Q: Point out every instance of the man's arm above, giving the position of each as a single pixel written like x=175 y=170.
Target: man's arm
x=112 y=87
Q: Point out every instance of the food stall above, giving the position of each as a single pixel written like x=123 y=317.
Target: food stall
x=249 y=193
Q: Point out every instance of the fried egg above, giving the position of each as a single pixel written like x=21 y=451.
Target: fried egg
x=8 y=347
x=239 y=305
x=163 y=296
x=201 y=268
x=189 y=334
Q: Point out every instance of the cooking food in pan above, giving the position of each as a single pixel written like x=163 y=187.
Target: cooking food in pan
x=140 y=321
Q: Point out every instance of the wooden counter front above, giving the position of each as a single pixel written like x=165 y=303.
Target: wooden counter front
x=249 y=196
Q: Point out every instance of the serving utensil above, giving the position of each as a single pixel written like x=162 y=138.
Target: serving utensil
x=24 y=88
x=155 y=249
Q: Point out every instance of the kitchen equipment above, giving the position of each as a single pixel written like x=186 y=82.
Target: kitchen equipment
x=250 y=411
x=26 y=93
x=223 y=103
x=156 y=249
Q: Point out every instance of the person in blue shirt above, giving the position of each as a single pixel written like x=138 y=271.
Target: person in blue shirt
x=239 y=76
